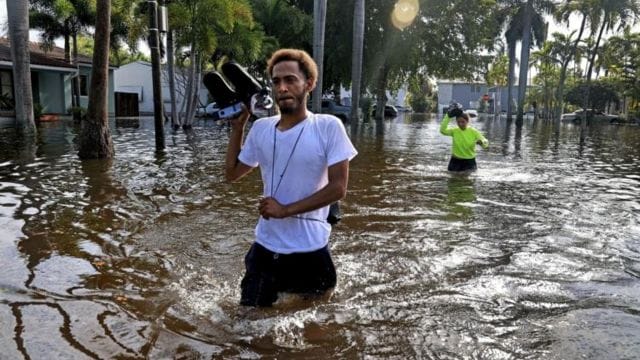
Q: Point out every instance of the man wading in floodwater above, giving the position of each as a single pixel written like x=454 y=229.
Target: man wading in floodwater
x=304 y=165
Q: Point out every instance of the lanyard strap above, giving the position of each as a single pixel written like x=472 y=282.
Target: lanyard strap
x=273 y=159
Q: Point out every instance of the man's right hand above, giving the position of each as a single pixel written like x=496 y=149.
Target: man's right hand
x=238 y=123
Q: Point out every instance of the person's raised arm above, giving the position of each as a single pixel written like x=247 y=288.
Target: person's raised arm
x=234 y=169
x=444 y=125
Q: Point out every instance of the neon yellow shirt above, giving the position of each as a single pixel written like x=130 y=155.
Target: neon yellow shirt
x=464 y=141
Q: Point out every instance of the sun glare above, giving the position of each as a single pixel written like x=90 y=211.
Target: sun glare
x=404 y=12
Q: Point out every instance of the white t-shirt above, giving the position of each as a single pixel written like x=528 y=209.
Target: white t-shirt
x=303 y=155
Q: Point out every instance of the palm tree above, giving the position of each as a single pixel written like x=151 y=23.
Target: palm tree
x=531 y=15
x=546 y=79
x=563 y=14
x=18 y=14
x=95 y=136
x=63 y=18
x=356 y=62
x=563 y=50
x=204 y=27
x=512 y=35
x=614 y=12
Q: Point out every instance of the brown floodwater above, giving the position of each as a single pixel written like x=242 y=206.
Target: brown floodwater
x=534 y=256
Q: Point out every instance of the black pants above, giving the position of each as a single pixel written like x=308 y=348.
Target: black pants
x=268 y=273
x=456 y=164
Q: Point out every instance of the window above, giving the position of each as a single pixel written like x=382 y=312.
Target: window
x=84 y=85
x=6 y=90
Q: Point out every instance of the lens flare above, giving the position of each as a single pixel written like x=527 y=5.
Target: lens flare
x=404 y=12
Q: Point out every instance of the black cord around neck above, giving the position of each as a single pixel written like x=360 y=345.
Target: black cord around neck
x=273 y=159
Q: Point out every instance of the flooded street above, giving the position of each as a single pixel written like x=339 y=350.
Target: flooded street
x=534 y=256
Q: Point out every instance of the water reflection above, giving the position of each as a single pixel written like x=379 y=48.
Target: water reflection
x=461 y=196
x=536 y=255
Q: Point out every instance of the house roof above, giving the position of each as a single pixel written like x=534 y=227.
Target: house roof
x=38 y=56
x=460 y=82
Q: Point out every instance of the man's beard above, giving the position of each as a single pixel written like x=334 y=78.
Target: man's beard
x=291 y=109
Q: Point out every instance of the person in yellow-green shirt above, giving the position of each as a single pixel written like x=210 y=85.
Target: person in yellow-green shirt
x=465 y=139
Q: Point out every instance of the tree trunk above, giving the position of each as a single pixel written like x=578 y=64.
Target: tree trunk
x=585 y=102
x=196 y=87
x=564 y=68
x=188 y=97
x=319 y=19
x=381 y=98
x=524 y=61
x=95 y=136
x=76 y=79
x=18 y=14
x=356 y=61
x=175 y=121
x=67 y=45
x=512 y=69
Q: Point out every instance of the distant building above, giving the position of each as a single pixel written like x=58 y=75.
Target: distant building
x=136 y=78
x=466 y=93
x=397 y=99
x=51 y=78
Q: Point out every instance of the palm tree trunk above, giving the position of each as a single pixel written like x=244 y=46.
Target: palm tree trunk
x=67 y=45
x=381 y=98
x=76 y=79
x=18 y=14
x=524 y=61
x=512 y=69
x=356 y=61
x=319 y=19
x=95 y=136
x=188 y=97
x=585 y=102
x=175 y=121
x=563 y=71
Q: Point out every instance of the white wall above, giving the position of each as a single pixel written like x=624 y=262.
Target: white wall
x=398 y=99
x=136 y=77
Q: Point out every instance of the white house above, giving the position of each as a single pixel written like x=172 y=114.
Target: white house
x=397 y=99
x=51 y=79
x=464 y=92
x=136 y=78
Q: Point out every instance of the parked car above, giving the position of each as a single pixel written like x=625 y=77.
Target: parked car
x=389 y=111
x=402 y=108
x=472 y=113
x=595 y=115
x=342 y=112
x=211 y=110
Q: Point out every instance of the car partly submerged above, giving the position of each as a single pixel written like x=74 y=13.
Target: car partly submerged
x=209 y=111
x=594 y=115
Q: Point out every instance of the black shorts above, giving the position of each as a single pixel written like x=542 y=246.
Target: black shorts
x=267 y=273
x=456 y=164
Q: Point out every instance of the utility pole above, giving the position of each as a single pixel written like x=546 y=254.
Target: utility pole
x=154 y=45
x=319 y=19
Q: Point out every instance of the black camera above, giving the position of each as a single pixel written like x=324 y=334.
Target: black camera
x=454 y=110
x=235 y=88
